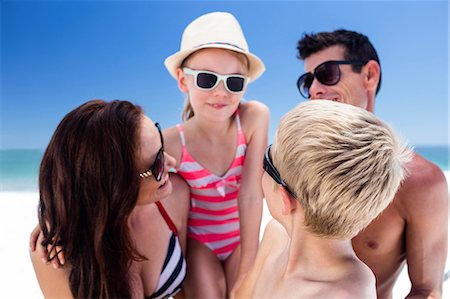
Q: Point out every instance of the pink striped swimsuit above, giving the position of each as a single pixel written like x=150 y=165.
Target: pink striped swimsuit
x=214 y=215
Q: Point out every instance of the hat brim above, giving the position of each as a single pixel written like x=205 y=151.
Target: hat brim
x=174 y=61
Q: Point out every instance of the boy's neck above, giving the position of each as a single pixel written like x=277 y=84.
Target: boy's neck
x=316 y=257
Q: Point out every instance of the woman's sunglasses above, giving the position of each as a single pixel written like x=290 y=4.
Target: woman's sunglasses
x=157 y=169
x=327 y=73
x=272 y=171
x=207 y=80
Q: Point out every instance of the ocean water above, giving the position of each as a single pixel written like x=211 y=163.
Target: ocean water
x=19 y=169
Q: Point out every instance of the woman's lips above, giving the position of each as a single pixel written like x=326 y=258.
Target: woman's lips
x=166 y=180
x=163 y=185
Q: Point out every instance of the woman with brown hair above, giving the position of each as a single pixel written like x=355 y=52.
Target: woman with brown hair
x=101 y=181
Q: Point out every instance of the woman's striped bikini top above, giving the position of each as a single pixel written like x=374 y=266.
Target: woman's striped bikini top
x=174 y=267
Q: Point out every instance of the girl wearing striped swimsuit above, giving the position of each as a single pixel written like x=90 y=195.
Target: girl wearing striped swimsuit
x=219 y=149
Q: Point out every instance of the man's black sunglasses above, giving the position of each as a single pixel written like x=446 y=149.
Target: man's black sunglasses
x=157 y=169
x=272 y=171
x=327 y=73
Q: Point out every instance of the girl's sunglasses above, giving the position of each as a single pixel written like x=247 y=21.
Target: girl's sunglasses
x=327 y=73
x=157 y=169
x=273 y=172
x=207 y=80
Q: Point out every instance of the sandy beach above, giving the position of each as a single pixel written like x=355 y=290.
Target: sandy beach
x=19 y=216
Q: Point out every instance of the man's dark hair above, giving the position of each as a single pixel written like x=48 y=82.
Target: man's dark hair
x=357 y=46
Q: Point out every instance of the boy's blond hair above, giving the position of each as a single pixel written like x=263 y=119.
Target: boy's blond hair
x=343 y=164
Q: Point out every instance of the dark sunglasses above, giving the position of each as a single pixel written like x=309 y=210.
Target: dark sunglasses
x=157 y=169
x=327 y=73
x=272 y=171
x=207 y=80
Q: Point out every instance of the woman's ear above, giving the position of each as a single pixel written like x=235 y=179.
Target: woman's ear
x=372 y=73
x=181 y=80
x=289 y=203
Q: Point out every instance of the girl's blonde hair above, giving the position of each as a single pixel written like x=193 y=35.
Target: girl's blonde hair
x=343 y=164
x=188 y=112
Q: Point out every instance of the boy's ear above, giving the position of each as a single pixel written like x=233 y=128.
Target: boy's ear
x=181 y=81
x=289 y=203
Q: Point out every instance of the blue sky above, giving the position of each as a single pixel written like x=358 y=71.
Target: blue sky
x=56 y=55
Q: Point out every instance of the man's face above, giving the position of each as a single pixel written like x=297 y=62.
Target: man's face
x=351 y=87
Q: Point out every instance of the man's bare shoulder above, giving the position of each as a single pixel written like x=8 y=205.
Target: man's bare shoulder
x=424 y=184
x=422 y=170
x=423 y=202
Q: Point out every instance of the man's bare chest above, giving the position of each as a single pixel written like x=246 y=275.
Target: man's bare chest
x=384 y=236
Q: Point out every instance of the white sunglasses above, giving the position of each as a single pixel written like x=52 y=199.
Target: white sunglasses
x=207 y=80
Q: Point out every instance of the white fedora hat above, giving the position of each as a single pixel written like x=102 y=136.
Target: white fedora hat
x=214 y=30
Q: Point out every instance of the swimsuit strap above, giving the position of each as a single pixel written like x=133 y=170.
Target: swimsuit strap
x=183 y=140
x=238 y=120
x=166 y=217
x=240 y=135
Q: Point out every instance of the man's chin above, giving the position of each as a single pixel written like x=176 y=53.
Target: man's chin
x=330 y=99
